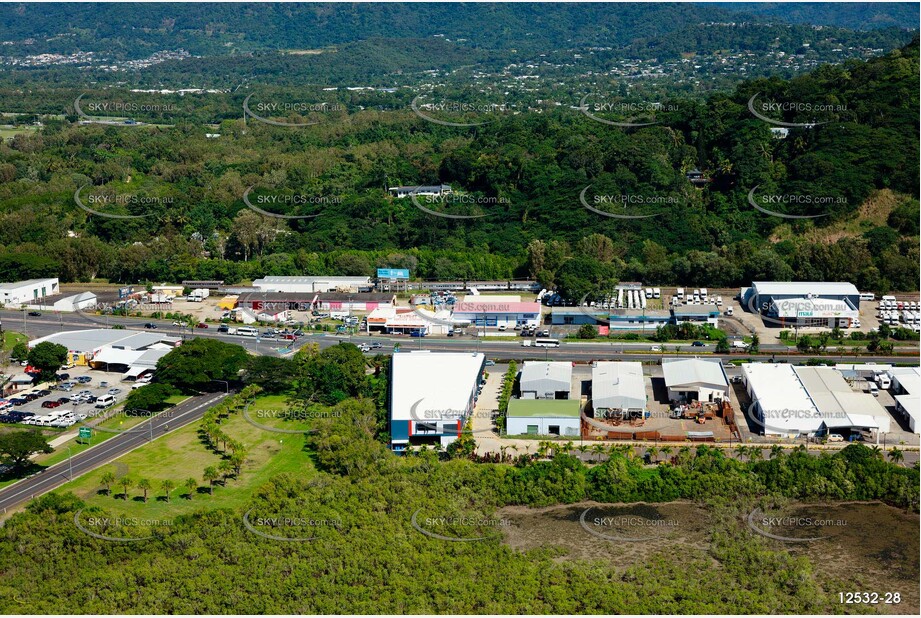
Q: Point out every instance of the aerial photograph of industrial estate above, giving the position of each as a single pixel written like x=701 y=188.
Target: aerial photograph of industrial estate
x=447 y=308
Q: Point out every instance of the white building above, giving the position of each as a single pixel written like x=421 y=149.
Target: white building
x=500 y=313
x=129 y=351
x=75 y=302
x=313 y=284
x=431 y=395
x=906 y=388
x=618 y=390
x=841 y=407
x=700 y=379
x=541 y=380
x=28 y=291
x=543 y=417
x=780 y=402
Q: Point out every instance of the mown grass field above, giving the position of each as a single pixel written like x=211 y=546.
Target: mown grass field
x=183 y=454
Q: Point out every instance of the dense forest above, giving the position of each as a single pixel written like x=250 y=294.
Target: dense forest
x=861 y=158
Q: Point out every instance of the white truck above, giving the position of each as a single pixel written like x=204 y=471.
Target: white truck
x=882 y=380
x=739 y=344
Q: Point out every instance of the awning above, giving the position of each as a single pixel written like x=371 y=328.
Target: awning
x=134 y=371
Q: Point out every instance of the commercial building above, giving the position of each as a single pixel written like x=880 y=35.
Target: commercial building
x=841 y=407
x=502 y=313
x=542 y=380
x=780 y=403
x=402 y=321
x=618 y=390
x=128 y=351
x=695 y=379
x=431 y=395
x=906 y=389
x=804 y=303
x=313 y=284
x=358 y=301
x=543 y=417
x=708 y=314
x=28 y=291
x=794 y=401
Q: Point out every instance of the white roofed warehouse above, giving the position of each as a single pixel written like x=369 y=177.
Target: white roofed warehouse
x=113 y=349
x=804 y=303
x=695 y=379
x=618 y=390
x=542 y=380
x=431 y=396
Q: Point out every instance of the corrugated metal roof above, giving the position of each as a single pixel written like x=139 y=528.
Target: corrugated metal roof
x=543 y=377
x=694 y=371
x=618 y=386
x=93 y=339
x=802 y=288
x=543 y=408
x=426 y=382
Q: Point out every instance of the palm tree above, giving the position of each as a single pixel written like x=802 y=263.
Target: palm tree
x=896 y=456
x=598 y=450
x=877 y=452
x=225 y=468
x=237 y=460
x=167 y=486
x=191 y=484
x=211 y=474
x=653 y=453
x=776 y=451
x=567 y=448
x=667 y=451
x=126 y=483
x=144 y=485
x=107 y=479
x=755 y=453
x=741 y=451
x=582 y=448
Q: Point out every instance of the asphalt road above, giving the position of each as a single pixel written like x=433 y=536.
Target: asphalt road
x=186 y=412
x=49 y=322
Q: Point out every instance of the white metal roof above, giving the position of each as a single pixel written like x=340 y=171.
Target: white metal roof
x=543 y=376
x=432 y=381
x=15 y=285
x=618 y=385
x=680 y=372
x=804 y=288
x=838 y=403
x=91 y=340
x=909 y=378
x=783 y=400
x=814 y=308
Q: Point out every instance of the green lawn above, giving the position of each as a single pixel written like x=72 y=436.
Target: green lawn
x=11 y=338
x=182 y=454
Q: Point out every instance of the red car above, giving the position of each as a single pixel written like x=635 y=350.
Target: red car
x=201 y=325
x=51 y=404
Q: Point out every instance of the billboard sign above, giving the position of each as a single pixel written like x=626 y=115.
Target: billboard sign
x=393 y=273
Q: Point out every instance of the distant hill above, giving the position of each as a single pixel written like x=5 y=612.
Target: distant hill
x=854 y=15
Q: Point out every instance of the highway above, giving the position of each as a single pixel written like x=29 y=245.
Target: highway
x=188 y=411
x=49 y=322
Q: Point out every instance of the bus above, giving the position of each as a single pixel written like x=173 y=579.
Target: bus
x=547 y=343
x=248 y=331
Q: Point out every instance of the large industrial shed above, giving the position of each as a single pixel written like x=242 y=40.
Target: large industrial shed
x=700 y=379
x=841 y=407
x=313 y=284
x=541 y=380
x=618 y=390
x=543 y=417
x=503 y=313
x=30 y=290
x=780 y=402
x=805 y=303
x=906 y=388
x=431 y=396
x=129 y=351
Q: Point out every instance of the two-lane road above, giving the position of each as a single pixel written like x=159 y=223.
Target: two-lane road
x=178 y=416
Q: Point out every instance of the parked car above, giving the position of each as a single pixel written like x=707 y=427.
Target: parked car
x=114 y=391
x=835 y=437
x=63 y=376
x=103 y=384
x=43 y=393
x=51 y=404
x=490 y=362
x=84 y=379
x=64 y=400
